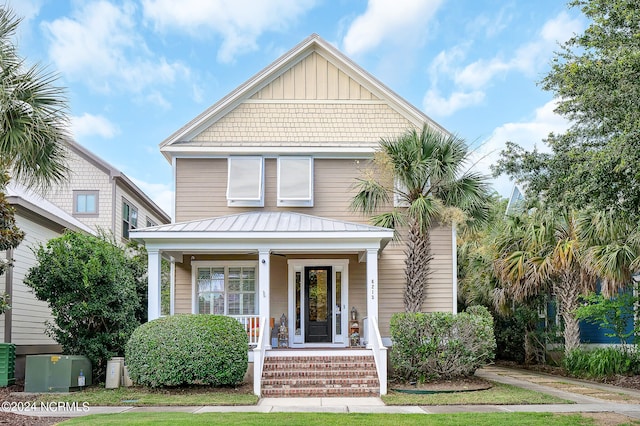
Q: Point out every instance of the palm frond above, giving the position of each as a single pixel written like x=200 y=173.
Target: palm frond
x=370 y=197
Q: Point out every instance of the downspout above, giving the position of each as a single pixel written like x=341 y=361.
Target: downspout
x=8 y=288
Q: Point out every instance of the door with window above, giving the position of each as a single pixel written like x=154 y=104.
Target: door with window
x=318 y=304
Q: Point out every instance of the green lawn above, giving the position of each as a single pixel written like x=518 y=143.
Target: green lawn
x=328 y=419
x=99 y=396
x=499 y=394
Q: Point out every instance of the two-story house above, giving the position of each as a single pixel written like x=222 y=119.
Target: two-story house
x=95 y=198
x=263 y=228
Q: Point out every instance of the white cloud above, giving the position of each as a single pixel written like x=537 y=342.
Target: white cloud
x=238 y=22
x=25 y=9
x=527 y=134
x=160 y=193
x=471 y=81
x=436 y=105
x=99 y=44
x=89 y=125
x=386 y=20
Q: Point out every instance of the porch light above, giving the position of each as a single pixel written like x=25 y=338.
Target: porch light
x=354 y=314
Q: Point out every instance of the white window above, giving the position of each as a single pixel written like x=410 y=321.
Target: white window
x=85 y=203
x=295 y=181
x=245 y=182
x=225 y=289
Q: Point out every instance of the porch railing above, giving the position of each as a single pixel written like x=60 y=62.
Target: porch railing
x=374 y=342
x=258 y=355
x=251 y=323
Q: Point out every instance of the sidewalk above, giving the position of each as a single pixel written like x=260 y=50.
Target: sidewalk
x=588 y=397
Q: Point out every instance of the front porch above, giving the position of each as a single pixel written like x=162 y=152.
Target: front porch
x=261 y=265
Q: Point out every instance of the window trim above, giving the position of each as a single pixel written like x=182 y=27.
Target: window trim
x=293 y=201
x=244 y=201
x=128 y=221
x=226 y=264
x=85 y=192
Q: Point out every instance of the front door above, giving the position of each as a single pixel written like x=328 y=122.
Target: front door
x=318 y=304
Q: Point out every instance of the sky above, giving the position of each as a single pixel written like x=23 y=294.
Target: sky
x=136 y=71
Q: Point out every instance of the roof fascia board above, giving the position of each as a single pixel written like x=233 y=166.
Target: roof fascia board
x=150 y=236
x=316 y=151
x=326 y=245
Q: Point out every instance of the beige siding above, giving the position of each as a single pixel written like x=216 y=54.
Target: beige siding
x=87 y=177
x=333 y=192
x=314 y=78
x=309 y=124
x=28 y=313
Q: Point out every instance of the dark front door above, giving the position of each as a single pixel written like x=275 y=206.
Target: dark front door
x=317 y=288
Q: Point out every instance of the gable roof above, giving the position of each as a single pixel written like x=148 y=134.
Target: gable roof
x=307 y=47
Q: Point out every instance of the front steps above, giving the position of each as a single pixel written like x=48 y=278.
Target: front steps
x=319 y=374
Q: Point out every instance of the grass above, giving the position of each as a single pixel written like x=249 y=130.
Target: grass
x=136 y=396
x=328 y=419
x=499 y=394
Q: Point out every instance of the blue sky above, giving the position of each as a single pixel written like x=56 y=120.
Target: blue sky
x=136 y=71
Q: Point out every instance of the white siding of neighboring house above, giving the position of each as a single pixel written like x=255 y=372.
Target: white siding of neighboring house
x=28 y=313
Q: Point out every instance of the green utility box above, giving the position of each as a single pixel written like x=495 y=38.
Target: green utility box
x=56 y=373
x=7 y=364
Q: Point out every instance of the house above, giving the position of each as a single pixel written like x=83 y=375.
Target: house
x=263 y=227
x=96 y=198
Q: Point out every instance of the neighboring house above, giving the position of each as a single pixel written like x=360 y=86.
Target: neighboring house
x=24 y=323
x=95 y=198
x=104 y=198
x=263 y=227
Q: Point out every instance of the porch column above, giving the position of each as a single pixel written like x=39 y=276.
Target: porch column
x=372 y=289
x=154 y=284
x=264 y=284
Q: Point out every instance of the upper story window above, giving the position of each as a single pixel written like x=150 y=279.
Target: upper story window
x=85 y=203
x=295 y=181
x=245 y=181
x=129 y=218
x=150 y=222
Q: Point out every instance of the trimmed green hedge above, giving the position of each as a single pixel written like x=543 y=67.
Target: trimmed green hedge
x=441 y=345
x=188 y=350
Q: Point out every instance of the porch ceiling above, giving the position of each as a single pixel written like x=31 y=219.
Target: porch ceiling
x=252 y=231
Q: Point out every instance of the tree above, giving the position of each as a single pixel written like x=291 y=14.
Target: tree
x=542 y=251
x=595 y=78
x=10 y=235
x=33 y=115
x=89 y=284
x=423 y=171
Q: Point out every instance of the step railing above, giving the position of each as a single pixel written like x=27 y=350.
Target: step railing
x=374 y=342
x=262 y=344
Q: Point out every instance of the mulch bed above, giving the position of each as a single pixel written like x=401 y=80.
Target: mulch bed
x=9 y=418
x=464 y=384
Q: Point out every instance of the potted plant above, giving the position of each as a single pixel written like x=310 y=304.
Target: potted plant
x=355 y=339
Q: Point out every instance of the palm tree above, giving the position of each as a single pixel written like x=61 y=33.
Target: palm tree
x=423 y=173
x=543 y=251
x=613 y=248
x=33 y=115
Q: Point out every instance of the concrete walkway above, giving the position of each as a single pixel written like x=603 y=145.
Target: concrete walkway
x=587 y=397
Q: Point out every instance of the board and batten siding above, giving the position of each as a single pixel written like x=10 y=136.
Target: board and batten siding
x=201 y=193
x=29 y=314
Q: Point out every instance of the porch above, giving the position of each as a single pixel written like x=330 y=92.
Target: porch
x=266 y=264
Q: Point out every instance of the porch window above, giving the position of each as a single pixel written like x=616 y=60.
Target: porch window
x=245 y=181
x=295 y=181
x=226 y=290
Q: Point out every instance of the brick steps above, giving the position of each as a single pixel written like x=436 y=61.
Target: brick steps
x=321 y=375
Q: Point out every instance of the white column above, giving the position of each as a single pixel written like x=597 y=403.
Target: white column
x=372 y=289
x=154 y=283
x=264 y=284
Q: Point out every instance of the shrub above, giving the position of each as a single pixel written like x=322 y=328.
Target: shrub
x=188 y=349
x=440 y=344
x=602 y=362
x=89 y=285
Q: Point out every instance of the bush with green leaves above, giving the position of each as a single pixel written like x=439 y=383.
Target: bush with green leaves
x=90 y=287
x=441 y=345
x=602 y=362
x=194 y=349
